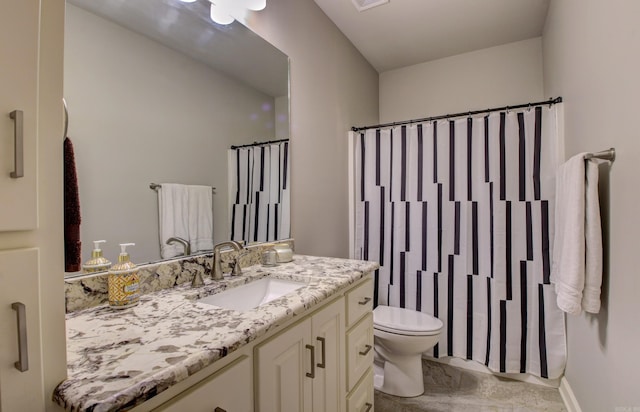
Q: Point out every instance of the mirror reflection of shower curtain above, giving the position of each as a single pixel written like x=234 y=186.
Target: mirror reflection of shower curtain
x=259 y=193
x=459 y=214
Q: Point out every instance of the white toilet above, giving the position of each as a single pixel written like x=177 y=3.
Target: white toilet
x=400 y=338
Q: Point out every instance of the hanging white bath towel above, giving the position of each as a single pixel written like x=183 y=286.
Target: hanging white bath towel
x=173 y=207
x=577 y=253
x=200 y=218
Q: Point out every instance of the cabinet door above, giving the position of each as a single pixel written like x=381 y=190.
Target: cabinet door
x=228 y=390
x=328 y=335
x=20 y=390
x=285 y=370
x=19 y=31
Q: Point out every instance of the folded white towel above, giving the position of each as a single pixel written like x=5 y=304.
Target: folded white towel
x=173 y=207
x=593 y=242
x=200 y=218
x=577 y=236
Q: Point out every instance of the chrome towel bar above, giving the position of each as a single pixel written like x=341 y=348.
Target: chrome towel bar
x=155 y=186
x=609 y=154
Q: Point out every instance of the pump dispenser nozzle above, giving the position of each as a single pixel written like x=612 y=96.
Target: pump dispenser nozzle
x=124 y=256
x=97 y=262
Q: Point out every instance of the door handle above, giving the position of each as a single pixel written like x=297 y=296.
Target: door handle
x=312 y=349
x=368 y=406
x=322 y=341
x=23 y=354
x=18 y=149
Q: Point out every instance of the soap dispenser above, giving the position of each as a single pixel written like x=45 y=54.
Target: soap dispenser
x=97 y=263
x=123 y=281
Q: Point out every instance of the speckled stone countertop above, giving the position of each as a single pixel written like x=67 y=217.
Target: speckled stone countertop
x=117 y=359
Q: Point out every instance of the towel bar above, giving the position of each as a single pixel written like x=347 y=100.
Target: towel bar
x=155 y=186
x=609 y=155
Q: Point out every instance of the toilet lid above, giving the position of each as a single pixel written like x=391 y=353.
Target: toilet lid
x=405 y=321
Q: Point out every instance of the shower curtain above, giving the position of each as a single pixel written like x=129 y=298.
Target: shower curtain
x=259 y=192
x=459 y=214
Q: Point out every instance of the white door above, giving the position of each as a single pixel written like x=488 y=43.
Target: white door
x=328 y=336
x=19 y=32
x=20 y=368
x=285 y=371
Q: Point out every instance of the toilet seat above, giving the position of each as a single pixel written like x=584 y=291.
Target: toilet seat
x=407 y=322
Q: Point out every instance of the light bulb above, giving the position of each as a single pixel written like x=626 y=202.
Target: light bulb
x=188 y=1
x=220 y=15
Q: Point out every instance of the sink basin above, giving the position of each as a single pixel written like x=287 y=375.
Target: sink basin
x=252 y=295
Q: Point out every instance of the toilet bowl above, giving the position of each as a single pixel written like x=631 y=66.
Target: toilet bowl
x=400 y=338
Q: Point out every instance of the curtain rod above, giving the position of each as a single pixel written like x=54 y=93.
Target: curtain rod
x=259 y=143
x=469 y=113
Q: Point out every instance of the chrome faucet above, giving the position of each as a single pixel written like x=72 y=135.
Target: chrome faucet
x=216 y=270
x=184 y=243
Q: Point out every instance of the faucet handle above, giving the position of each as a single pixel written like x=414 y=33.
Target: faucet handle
x=236 y=270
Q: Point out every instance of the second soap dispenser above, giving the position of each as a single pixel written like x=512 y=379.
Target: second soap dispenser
x=97 y=263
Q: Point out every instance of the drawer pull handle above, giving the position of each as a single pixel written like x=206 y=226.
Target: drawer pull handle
x=23 y=354
x=18 y=150
x=364 y=301
x=369 y=406
x=366 y=350
x=322 y=352
x=219 y=409
x=312 y=349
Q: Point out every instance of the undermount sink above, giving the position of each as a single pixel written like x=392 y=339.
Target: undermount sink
x=252 y=295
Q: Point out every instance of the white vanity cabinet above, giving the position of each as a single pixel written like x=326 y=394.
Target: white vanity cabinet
x=301 y=368
x=287 y=377
x=359 y=348
x=19 y=25
x=31 y=263
x=228 y=390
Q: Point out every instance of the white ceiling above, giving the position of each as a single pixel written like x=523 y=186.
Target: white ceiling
x=402 y=33
x=186 y=27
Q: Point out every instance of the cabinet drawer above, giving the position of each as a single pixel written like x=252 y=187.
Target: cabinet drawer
x=359 y=350
x=361 y=399
x=359 y=302
x=229 y=389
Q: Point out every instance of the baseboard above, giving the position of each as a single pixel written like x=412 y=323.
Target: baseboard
x=479 y=367
x=569 y=399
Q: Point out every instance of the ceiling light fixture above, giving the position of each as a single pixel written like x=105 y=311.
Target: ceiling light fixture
x=362 y=5
x=222 y=11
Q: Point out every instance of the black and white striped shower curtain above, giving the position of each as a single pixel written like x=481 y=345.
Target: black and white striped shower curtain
x=259 y=192
x=459 y=214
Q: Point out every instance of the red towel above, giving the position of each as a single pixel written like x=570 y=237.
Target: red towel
x=72 y=244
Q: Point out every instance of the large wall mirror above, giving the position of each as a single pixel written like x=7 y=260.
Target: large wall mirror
x=158 y=93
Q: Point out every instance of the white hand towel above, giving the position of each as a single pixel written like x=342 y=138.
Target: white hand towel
x=173 y=206
x=200 y=218
x=593 y=242
x=577 y=235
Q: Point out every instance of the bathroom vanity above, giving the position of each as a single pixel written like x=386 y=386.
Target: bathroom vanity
x=309 y=349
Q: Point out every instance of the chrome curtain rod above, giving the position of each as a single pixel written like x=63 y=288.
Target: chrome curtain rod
x=259 y=143
x=155 y=186
x=461 y=114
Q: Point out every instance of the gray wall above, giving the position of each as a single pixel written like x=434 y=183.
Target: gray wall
x=332 y=88
x=591 y=58
x=497 y=76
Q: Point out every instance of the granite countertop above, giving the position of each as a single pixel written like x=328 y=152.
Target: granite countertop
x=118 y=358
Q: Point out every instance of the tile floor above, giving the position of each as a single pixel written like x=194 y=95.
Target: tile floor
x=448 y=388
